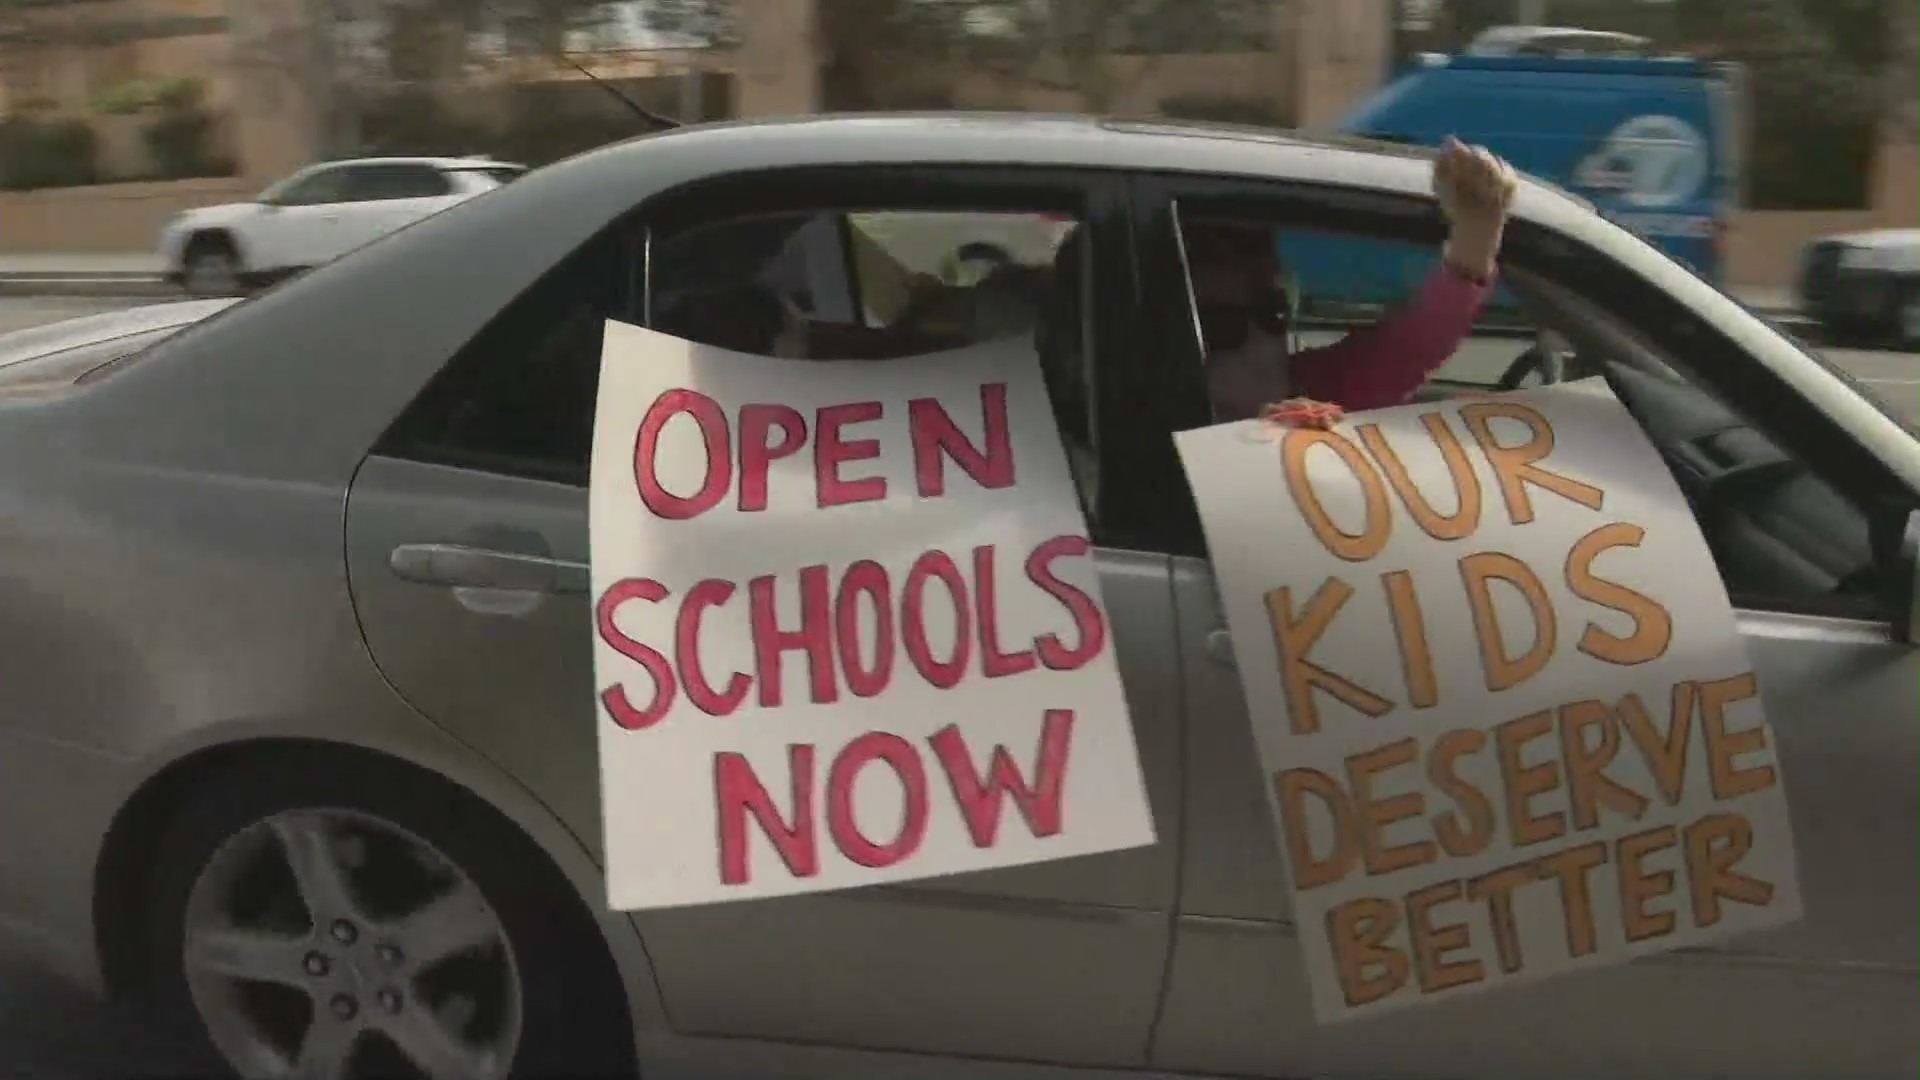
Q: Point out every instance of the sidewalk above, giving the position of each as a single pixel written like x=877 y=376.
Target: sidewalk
x=82 y=275
x=140 y=275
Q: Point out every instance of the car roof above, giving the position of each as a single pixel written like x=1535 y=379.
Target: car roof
x=1029 y=139
x=1038 y=140
x=433 y=162
x=1504 y=40
x=1012 y=138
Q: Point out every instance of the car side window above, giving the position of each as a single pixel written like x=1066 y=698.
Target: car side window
x=518 y=400
x=885 y=284
x=1785 y=534
x=316 y=189
x=1327 y=284
x=380 y=183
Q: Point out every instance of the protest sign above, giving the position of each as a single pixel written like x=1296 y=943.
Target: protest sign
x=847 y=625
x=1506 y=722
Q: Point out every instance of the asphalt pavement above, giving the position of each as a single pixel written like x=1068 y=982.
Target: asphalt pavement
x=50 y=1031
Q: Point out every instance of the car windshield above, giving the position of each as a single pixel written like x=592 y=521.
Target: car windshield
x=1770 y=320
x=1796 y=332
x=279 y=187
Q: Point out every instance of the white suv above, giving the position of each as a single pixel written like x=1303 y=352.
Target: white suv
x=314 y=216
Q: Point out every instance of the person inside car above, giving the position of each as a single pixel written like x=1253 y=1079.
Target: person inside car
x=1244 y=313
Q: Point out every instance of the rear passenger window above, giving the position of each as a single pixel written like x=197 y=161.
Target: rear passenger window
x=519 y=399
x=380 y=183
x=880 y=285
x=833 y=285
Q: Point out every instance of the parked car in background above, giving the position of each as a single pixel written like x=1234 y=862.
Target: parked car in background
x=1865 y=283
x=316 y=215
x=297 y=734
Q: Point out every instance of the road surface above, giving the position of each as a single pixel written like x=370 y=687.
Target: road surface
x=51 y=1032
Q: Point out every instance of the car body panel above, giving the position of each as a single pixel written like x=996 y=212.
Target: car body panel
x=1880 y=238
x=228 y=218
x=198 y=550
x=1839 y=698
x=33 y=343
x=1076 y=947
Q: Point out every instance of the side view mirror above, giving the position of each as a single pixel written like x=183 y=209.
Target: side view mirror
x=1906 y=627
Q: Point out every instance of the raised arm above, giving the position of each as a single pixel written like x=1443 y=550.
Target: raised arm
x=1384 y=364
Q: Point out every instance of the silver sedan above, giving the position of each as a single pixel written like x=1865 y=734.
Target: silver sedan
x=296 y=726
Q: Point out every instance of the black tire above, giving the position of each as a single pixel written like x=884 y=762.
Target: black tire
x=205 y=250
x=575 y=1018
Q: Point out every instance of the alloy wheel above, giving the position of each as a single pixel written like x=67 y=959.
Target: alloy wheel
x=330 y=945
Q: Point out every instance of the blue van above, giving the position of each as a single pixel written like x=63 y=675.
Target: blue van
x=1654 y=142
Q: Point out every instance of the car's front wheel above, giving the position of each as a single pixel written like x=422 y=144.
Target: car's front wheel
x=316 y=921
x=211 y=267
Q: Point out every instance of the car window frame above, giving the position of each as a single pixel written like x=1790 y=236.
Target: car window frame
x=619 y=248
x=631 y=240
x=1098 y=198
x=301 y=180
x=1719 y=364
x=369 y=172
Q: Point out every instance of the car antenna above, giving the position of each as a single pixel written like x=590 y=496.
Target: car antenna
x=658 y=120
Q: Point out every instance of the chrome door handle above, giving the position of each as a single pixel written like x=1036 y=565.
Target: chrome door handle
x=1220 y=648
x=459 y=566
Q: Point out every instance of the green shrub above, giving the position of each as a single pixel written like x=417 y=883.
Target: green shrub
x=44 y=154
x=178 y=143
x=124 y=99
x=179 y=95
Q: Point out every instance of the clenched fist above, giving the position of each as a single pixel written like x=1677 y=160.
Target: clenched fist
x=1475 y=188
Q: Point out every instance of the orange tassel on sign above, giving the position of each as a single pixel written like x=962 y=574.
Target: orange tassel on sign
x=1303 y=413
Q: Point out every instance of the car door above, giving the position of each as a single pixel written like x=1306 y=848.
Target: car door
x=299 y=226
x=1806 y=563
x=468 y=544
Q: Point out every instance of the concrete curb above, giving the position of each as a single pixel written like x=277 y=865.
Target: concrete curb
x=79 y=285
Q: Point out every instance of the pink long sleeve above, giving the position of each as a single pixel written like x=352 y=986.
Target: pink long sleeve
x=1383 y=364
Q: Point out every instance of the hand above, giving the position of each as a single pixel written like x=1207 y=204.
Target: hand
x=1475 y=188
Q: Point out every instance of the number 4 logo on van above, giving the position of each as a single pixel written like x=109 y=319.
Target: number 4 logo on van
x=1649 y=161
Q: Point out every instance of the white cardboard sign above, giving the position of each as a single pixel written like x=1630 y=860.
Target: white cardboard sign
x=1506 y=722
x=848 y=628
